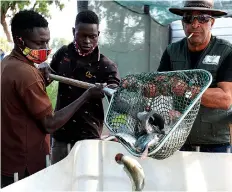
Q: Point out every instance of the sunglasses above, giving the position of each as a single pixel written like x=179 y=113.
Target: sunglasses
x=201 y=18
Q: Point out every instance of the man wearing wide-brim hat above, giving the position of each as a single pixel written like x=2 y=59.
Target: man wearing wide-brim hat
x=201 y=50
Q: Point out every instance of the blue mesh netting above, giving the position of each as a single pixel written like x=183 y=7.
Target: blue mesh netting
x=159 y=9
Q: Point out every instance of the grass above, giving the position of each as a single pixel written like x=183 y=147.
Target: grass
x=52 y=92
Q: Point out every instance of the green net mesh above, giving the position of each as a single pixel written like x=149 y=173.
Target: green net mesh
x=173 y=98
x=159 y=10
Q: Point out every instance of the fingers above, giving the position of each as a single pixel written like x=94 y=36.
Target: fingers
x=45 y=70
x=102 y=94
x=97 y=91
x=46 y=73
x=101 y=85
x=112 y=86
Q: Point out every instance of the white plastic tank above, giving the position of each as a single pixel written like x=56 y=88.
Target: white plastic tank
x=91 y=166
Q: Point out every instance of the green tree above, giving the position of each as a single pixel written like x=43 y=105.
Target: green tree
x=58 y=43
x=41 y=7
x=5 y=45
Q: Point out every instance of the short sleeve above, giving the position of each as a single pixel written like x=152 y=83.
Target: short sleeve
x=37 y=100
x=111 y=73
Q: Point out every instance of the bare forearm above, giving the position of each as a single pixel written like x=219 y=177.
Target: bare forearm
x=61 y=117
x=216 y=98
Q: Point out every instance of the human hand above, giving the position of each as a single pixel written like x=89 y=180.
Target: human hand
x=45 y=70
x=96 y=92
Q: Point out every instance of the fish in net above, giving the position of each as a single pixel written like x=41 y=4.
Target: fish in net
x=152 y=114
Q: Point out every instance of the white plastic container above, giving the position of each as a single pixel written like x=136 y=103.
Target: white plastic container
x=91 y=166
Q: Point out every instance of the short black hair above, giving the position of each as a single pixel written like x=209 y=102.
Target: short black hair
x=87 y=16
x=26 y=20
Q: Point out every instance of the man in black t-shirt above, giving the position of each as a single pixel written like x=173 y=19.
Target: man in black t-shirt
x=83 y=61
x=201 y=50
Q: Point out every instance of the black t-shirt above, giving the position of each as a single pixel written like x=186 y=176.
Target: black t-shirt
x=224 y=73
x=87 y=122
x=194 y=58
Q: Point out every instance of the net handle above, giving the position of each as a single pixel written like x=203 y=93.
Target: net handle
x=80 y=84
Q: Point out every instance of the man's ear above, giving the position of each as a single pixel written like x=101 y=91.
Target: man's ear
x=98 y=33
x=182 y=24
x=212 y=22
x=18 y=40
x=73 y=31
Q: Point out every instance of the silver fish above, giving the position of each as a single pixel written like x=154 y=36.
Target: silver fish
x=134 y=170
x=126 y=137
x=147 y=141
x=151 y=121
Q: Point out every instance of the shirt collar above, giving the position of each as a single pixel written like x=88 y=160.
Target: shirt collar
x=20 y=57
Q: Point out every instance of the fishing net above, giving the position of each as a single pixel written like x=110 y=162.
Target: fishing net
x=156 y=110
